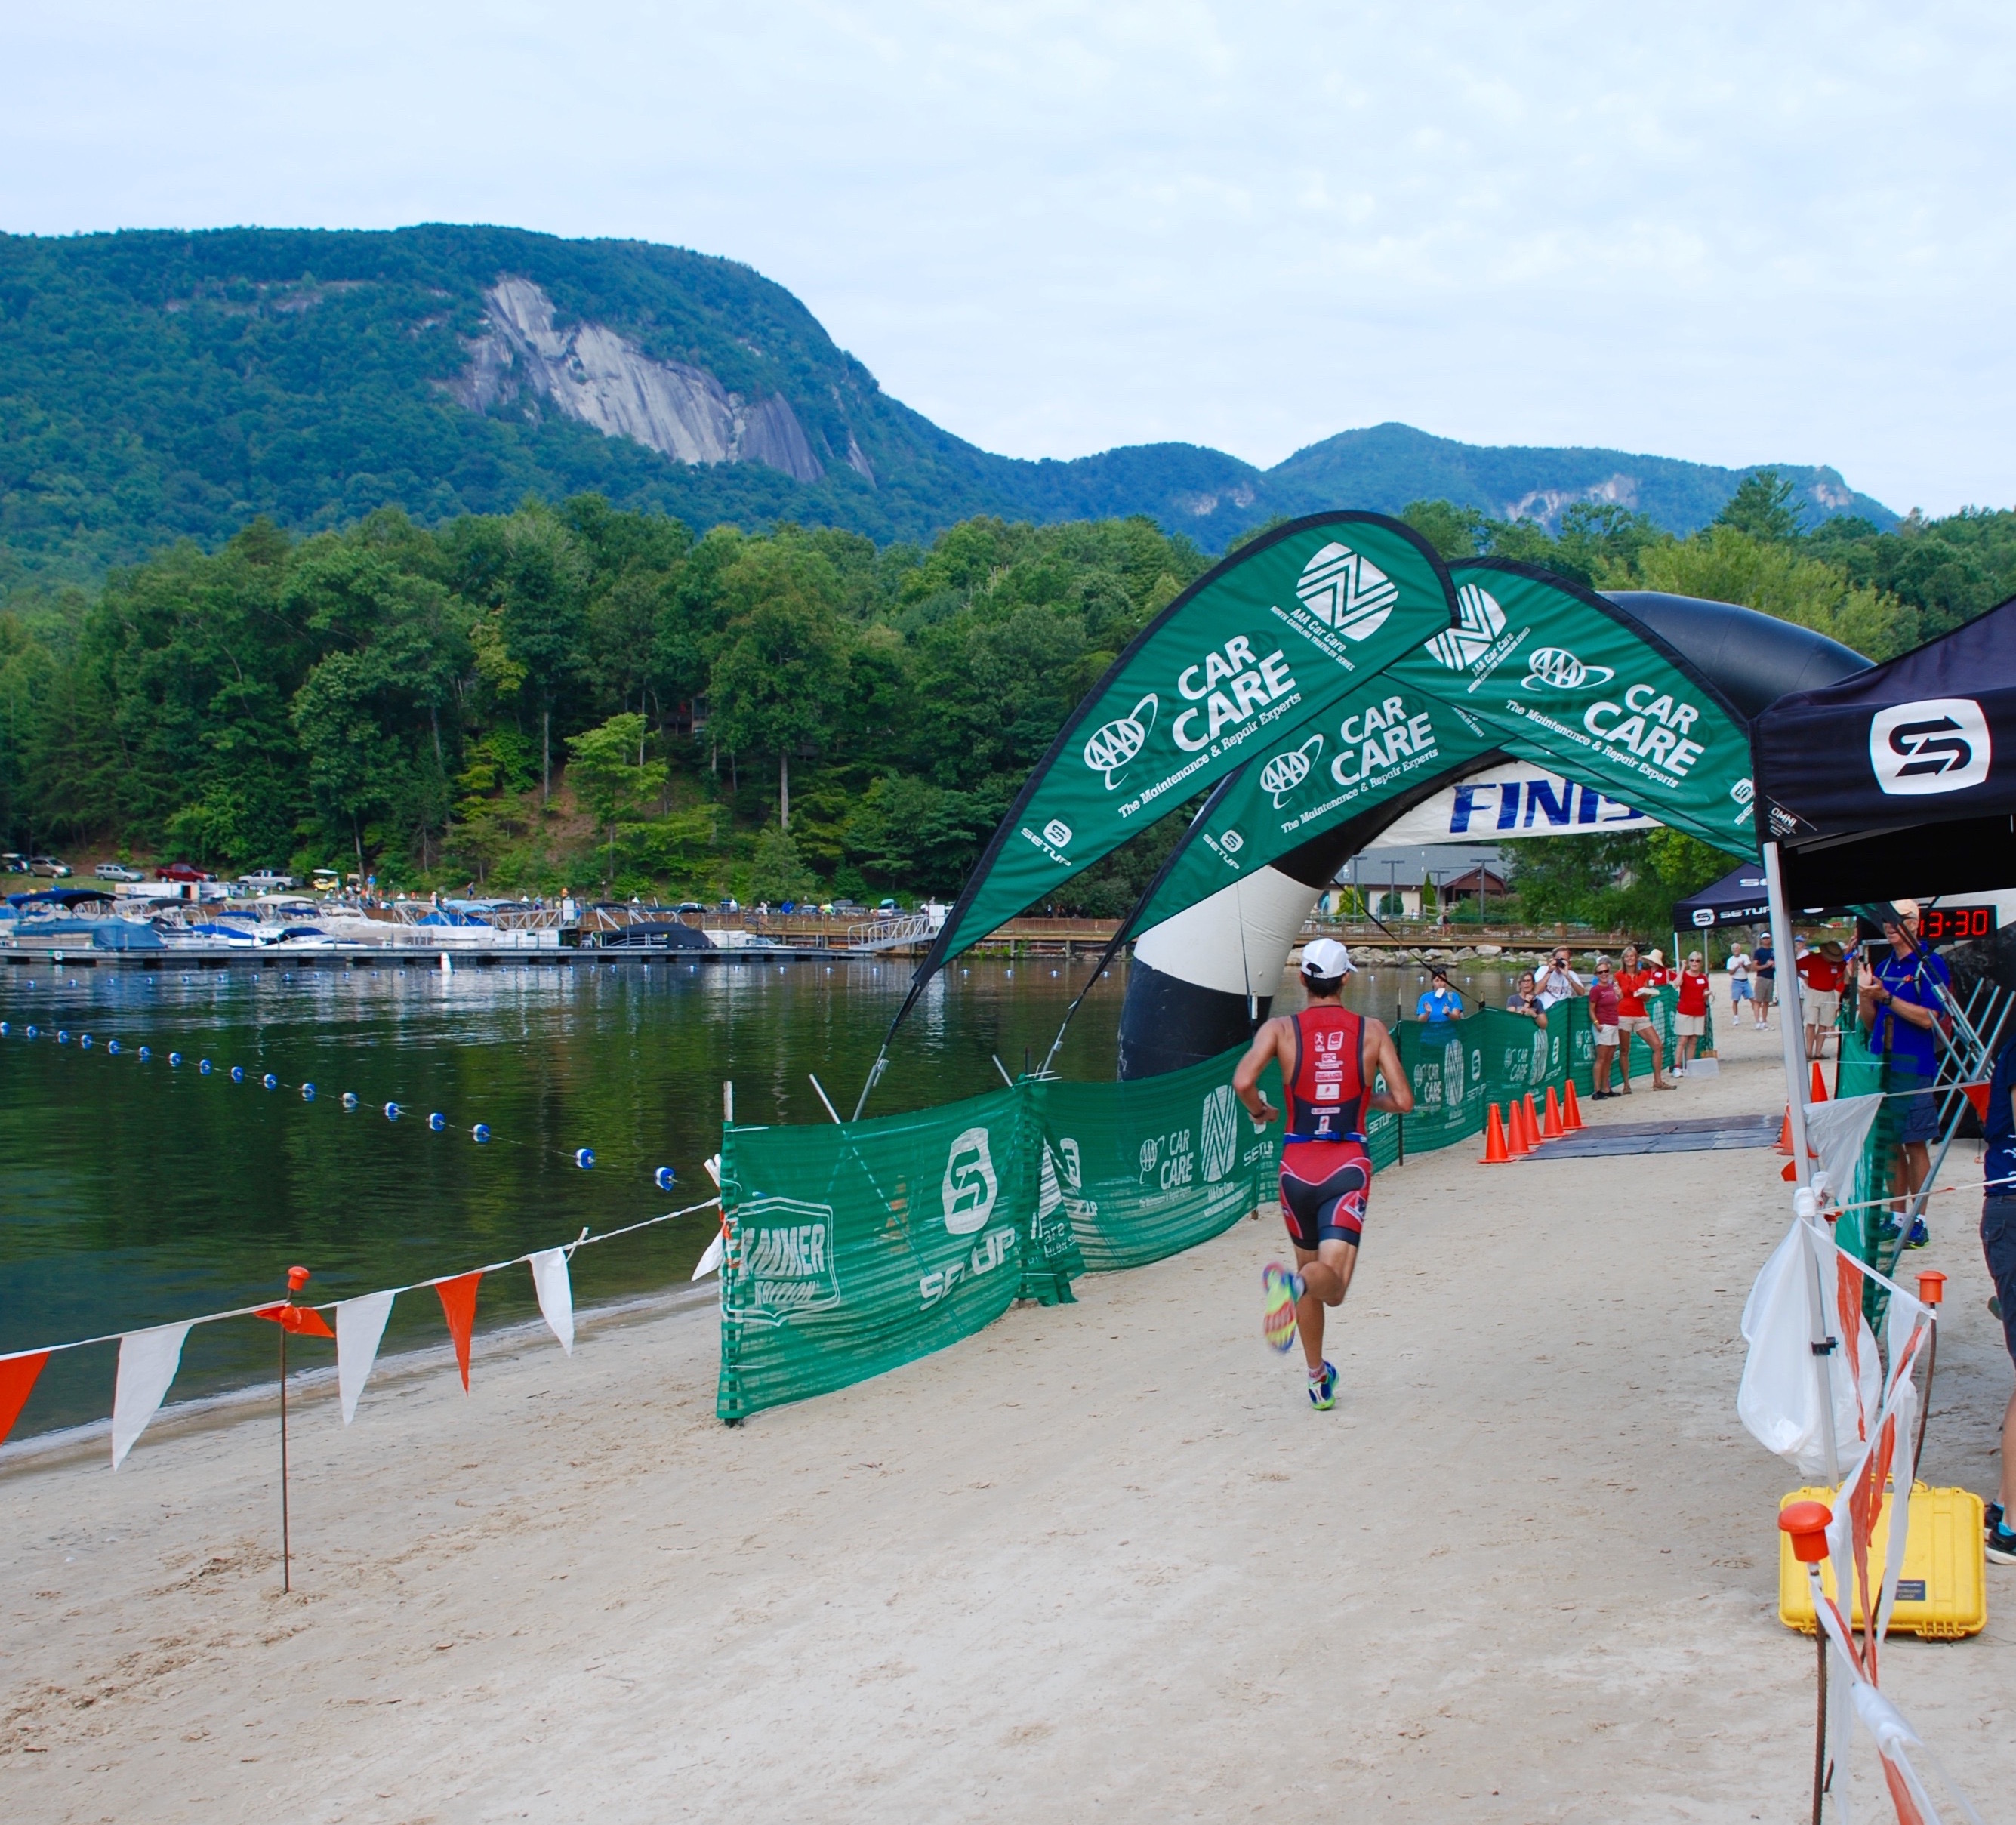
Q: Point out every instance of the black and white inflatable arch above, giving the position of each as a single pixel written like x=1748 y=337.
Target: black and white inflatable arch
x=1202 y=981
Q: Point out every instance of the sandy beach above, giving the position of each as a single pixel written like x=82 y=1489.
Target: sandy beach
x=1101 y=1560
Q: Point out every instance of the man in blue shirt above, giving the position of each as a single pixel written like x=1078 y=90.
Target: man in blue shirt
x=1440 y=1005
x=1998 y=1245
x=1902 y=1008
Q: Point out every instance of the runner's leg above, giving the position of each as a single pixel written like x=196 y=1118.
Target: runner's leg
x=1326 y=1277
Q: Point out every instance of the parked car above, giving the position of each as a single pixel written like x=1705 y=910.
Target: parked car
x=887 y=906
x=47 y=865
x=265 y=881
x=181 y=871
x=10 y=863
x=731 y=906
x=117 y=871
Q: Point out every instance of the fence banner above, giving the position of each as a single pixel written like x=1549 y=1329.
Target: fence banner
x=855 y=1248
x=1148 y=1169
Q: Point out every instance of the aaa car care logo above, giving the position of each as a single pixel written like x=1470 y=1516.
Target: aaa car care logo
x=1284 y=773
x=1110 y=747
x=1218 y=1133
x=1940 y=744
x=1555 y=668
x=969 y=1186
x=1479 y=622
x=785 y=1246
x=1346 y=592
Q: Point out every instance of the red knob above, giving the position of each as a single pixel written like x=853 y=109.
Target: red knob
x=1807 y=1522
x=1932 y=1286
x=297 y=1277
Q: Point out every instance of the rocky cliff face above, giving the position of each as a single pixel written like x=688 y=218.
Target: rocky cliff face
x=591 y=373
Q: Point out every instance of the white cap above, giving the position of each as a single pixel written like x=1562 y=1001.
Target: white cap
x=1326 y=960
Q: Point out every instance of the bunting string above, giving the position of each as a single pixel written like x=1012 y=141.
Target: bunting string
x=149 y=1358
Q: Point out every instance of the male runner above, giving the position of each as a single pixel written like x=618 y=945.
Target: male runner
x=1329 y=1058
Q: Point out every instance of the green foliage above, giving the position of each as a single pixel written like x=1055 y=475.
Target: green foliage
x=776 y=872
x=1626 y=882
x=1766 y=507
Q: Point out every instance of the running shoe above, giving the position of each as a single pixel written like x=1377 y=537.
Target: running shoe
x=1920 y=1235
x=2000 y=1545
x=1991 y=1517
x=1283 y=1286
x=1323 y=1388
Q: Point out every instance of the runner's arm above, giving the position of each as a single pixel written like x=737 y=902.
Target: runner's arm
x=1382 y=1058
x=1245 y=1080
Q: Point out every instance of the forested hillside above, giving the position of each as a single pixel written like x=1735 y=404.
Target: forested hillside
x=577 y=696
x=157 y=385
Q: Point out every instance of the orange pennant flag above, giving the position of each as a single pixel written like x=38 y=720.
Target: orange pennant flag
x=458 y=1298
x=17 y=1382
x=1977 y=1094
x=304 y=1321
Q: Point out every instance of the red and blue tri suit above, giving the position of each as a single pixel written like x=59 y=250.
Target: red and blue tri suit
x=1326 y=1172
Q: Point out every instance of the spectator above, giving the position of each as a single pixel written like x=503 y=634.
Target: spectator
x=1525 y=1000
x=1633 y=1021
x=1821 y=969
x=1740 y=967
x=1764 y=976
x=1439 y=1005
x=1560 y=983
x=1691 y=1019
x=1900 y=1003
x=1603 y=1019
x=1998 y=1245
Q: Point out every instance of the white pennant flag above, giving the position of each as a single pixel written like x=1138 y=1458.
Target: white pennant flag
x=359 y=1324
x=711 y=1258
x=148 y=1360
x=555 y=1291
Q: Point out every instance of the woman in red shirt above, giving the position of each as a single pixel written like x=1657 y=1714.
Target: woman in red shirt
x=1690 y=1020
x=1632 y=1020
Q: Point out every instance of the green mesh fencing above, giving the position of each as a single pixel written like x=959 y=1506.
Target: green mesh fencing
x=856 y=1248
x=1149 y=1168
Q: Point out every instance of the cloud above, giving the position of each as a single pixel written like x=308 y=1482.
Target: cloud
x=1734 y=234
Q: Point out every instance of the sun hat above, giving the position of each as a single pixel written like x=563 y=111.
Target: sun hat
x=1326 y=960
x=1658 y=957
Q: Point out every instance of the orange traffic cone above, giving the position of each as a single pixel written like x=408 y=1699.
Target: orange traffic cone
x=1571 y=1109
x=1534 y=1137
x=1552 y=1129
x=1785 y=1132
x=1496 y=1153
x=1819 y=1093
x=1516 y=1143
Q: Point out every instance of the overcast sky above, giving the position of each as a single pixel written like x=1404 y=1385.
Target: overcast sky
x=1736 y=234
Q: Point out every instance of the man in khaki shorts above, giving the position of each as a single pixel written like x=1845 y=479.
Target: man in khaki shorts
x=1820 y=972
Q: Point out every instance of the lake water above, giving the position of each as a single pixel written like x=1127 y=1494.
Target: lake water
x=134 y=1193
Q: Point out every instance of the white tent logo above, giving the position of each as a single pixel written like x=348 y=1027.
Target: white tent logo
x=1112 y=745
x=1452 y=1074
x=1284 y=773
x=969 y=1186
x=1347 y=592
x=1940 y=744
x=1557 y=667
x=1218 y=1133
x=1479 y=622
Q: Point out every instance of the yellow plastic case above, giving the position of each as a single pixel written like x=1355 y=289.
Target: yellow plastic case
x=1942 y=1590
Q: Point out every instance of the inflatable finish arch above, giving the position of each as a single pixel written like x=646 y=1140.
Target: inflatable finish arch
x=1201 y=981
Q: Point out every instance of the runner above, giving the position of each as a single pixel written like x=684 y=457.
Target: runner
x=1329 y=1058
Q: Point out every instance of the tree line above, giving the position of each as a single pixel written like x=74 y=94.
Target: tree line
x=569 y=696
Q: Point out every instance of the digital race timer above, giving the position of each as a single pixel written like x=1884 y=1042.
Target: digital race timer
x=1949 y=924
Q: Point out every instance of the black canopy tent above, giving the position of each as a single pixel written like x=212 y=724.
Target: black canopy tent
x=1740 y=898
x=1849 y=776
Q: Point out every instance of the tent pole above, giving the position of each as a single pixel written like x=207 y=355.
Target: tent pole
x=1791 y=1029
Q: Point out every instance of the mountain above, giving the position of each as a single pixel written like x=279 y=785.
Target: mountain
x=156 y=384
